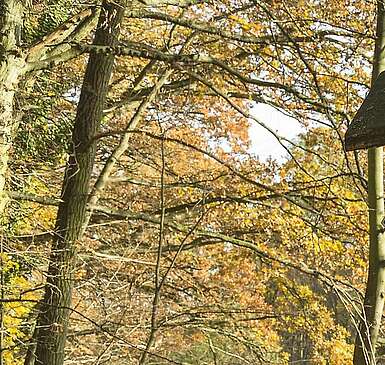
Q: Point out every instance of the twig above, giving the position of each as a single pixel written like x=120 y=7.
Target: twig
x=157 y=280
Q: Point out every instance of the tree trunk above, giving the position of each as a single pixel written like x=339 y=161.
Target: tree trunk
x=365 y=348
x=54 y=313
x=11 y=65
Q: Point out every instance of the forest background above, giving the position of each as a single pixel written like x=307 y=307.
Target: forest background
x=172 y=243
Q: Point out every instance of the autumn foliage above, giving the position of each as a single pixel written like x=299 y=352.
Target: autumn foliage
x=197 y=250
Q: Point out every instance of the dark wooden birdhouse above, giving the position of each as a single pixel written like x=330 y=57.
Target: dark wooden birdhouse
x=367 y=128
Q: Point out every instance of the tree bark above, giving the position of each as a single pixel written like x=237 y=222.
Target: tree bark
x=365 y=347
x=11 y=65
x=53 y=318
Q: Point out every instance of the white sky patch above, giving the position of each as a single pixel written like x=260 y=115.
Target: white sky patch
x=263 y=144
x=73 y=94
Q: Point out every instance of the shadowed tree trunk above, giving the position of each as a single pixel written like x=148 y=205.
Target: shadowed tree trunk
x=52 y=323
x=365 y=348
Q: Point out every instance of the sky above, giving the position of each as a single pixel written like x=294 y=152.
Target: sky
x=263 y=143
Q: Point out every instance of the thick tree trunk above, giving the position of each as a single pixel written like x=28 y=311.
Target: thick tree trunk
x=53 y=318
x=12 y=63
x=365 y=348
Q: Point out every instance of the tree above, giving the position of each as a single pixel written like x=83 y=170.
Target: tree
x=367 y=337
x=12 y=64
x=53 y=317
x=196 y=250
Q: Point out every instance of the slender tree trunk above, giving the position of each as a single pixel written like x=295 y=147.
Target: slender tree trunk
x=53 y=318
x=365 y=348
x=11 y=65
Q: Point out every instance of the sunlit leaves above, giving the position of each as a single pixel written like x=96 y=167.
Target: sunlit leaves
x=18 y=302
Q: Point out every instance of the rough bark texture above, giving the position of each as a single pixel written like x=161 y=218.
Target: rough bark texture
x=367 y=128
x=365 y=349
x=11 y=65
x=55 y=309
